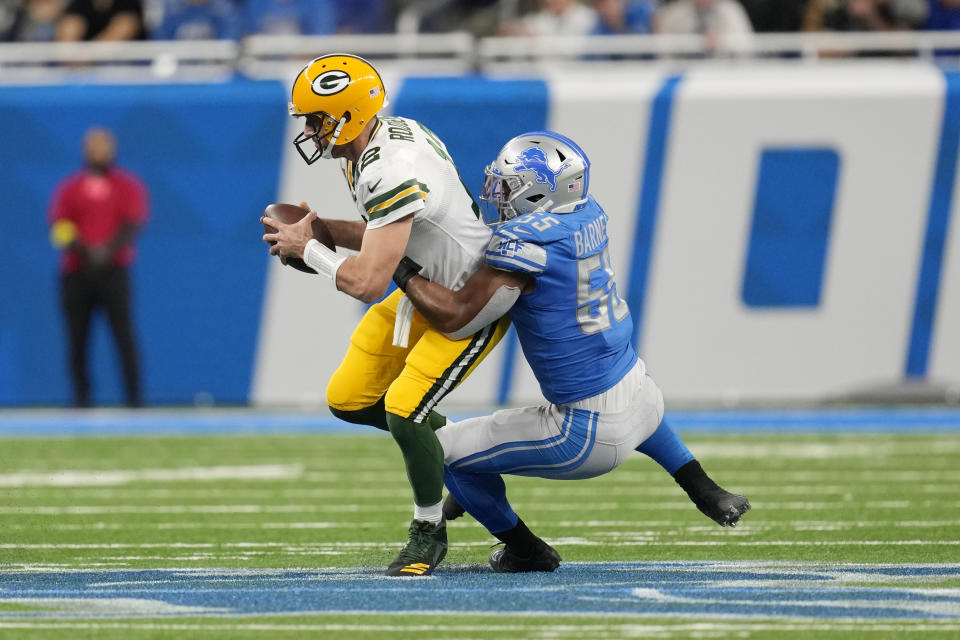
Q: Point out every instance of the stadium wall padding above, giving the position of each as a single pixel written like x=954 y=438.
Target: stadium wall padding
x=781 y=234
x=210 y=157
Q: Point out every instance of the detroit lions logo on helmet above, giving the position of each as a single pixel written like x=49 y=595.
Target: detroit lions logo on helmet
x=534 y=159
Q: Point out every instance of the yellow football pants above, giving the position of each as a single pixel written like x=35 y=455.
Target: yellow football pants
x=414 y=378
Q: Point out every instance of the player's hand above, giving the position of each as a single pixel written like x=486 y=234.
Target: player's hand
x=304 y=205
x=289 y=239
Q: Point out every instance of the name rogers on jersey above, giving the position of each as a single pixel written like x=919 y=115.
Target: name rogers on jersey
x=591 y=237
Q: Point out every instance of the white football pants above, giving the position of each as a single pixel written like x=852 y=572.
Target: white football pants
x=579 y=440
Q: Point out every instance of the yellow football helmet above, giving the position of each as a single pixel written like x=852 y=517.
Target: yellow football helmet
x=338 y=94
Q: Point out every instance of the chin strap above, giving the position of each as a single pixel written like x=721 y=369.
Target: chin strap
x=545 y=206
x=328 y=150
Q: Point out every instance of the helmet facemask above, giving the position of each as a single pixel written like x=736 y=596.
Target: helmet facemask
x=507 y=194
x=325 y=128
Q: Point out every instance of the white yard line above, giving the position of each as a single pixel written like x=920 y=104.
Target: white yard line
x=814 y=478
x=304 y=547
x=861 y=448
x=83 y=510
x=639 y=526
x=114 y=606
x=74 y=478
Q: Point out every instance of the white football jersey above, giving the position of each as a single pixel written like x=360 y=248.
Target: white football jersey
x=406 y=169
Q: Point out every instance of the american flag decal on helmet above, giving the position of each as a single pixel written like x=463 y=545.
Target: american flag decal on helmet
x=574 y=186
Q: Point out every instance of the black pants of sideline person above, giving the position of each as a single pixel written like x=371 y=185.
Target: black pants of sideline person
x=81 y=293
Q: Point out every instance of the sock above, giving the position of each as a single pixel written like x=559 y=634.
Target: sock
x=375 y=415
x=666 y=448
x=693 y=479
x=432 y=514
x=484 y=496
x=422 y=455
x=519 y=538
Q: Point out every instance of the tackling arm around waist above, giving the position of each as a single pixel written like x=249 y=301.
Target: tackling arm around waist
x=485 y=297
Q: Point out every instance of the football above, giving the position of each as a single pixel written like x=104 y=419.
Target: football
x=291 y=213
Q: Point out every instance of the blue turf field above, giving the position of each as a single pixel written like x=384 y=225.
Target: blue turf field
x=669 y=589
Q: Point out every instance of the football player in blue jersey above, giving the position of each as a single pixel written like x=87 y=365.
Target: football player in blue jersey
x=548 y=263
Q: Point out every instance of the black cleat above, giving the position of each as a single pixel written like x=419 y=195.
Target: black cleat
x=712 y=500
x=425 y=548
x=543 y=558
x=720 y=505
x=451 y=508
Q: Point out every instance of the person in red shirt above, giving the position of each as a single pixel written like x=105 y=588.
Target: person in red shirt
x=94 y=216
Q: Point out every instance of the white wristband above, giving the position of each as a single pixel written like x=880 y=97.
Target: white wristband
x=322 y=260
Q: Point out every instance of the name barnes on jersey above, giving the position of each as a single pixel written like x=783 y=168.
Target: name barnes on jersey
x=591 y=236
x=587 y=239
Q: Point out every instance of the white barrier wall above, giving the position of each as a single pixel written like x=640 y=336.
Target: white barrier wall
x=700 y=339
x=695 y=160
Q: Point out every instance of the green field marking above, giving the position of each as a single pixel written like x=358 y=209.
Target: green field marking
x=10 y=607
x=822 y=498
x=841 y=498
x=456 y=627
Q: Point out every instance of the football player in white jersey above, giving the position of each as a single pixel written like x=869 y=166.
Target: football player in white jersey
x=413 y=205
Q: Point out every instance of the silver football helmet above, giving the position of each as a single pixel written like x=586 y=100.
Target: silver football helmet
x=536 y=171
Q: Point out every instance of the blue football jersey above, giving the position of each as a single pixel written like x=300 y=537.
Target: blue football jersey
x=574 y=328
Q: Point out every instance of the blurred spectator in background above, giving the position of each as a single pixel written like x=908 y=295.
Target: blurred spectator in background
x=710 y=18
x=8 y=9
x=35 y=21
x=480 y=17
x=869 y=15
x=623 y=16
x=366 y=16
x=292 y=17
x=944 y=15
x=555 y=18
x=94 y=216
x=198 y=20
x=780 y=16
x=102 y=20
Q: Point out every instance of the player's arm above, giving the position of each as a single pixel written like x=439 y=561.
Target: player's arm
x=364 y=276
x=346 y=233
x=134 y=219
x=367 y=275
x=487 y=295
x=510 y=268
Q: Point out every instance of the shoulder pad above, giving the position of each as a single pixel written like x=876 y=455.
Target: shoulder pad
x=508 y=252
x=389 y=189
x=537 y=228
